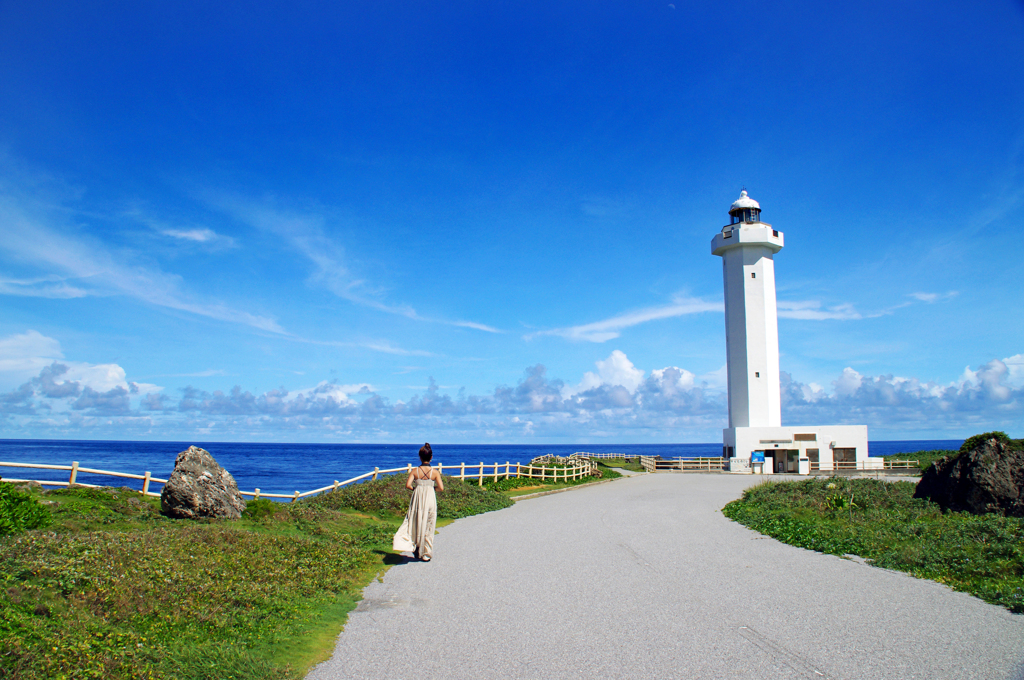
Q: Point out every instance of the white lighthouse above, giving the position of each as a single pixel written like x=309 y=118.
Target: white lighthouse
x=747 y=247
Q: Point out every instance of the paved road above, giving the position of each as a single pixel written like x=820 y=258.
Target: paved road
x=644 y=578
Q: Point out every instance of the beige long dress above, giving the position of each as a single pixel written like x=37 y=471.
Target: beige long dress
x=417 y=531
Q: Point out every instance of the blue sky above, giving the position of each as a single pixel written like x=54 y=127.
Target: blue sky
x=490 y=222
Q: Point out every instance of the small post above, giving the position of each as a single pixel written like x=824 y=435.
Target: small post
x=439 y=468
x=506 y=469
x=408 y=469
x=74 y=472
x=257 y=496
x=375 y=471
x=481 y=482
x=462 y=471
x=295 y=497
x=145 y=484
x=495 y=472
x=335 y=484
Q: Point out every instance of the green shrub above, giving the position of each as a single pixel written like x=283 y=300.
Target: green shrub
x=388 y=495
x=883 y=522
x=19 y=511
x=511 y=483
x=977 y=439
x=259 y=509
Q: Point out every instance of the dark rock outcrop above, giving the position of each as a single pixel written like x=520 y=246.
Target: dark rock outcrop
x=986 y=476
x=199 y=487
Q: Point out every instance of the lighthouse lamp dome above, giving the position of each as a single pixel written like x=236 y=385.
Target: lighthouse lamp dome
x=745 y=210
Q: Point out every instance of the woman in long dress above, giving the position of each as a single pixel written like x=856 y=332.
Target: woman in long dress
x=417 y=531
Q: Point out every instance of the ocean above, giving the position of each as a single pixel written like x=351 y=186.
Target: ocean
x=285 y=468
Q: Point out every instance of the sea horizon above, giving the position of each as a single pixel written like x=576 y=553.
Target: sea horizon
x=276 y=467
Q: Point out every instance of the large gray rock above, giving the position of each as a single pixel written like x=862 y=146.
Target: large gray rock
x=987 y=475
x=199 y=487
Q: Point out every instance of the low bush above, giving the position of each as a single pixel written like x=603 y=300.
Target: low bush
x=511 y=483
x=884 y=523
x=19 y=511
x=260 y=509
x=388 y=495
x=924 y=458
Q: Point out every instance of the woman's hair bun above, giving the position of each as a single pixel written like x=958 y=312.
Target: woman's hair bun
x=426 y=453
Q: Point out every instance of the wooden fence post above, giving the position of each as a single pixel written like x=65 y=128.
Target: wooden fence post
x=481 y=482
x=257 y=497
x=376 y=470
x=495 y=473
x=439 y=468
x=295 y=497
x=74 y=472
x=462 y=471
x=145 y=484
x=506 y=469
x=335 y=485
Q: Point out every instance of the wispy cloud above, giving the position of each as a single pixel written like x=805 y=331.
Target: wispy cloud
x=609 y=329
x=198 y=235
x=934 y=297
x=33 y=236
x=305 y=233
x=383 y=346
x=46 y=287
x=812 y=310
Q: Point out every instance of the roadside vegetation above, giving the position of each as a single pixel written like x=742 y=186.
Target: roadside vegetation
x=924 y=458
x=96 y=583
x=521 y=486
x=632 y=463
x=882 y=522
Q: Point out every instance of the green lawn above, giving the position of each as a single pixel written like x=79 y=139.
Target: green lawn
x=881 y=521
x=106 y=587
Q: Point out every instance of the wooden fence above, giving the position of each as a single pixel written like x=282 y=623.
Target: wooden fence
x=863 y=466
x=574 y=470
x=658 y=464
x=587 y=454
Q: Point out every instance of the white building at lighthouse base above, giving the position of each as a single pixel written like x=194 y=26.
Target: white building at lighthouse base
x=798 y=449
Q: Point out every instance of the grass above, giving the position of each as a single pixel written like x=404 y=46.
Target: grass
x=924 y=458
x=106 y=587
x=520 y=486
x=633 y=465
x=881 y=521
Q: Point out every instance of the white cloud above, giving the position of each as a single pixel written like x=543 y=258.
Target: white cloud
x=609 y=329
x=30 y=234
x=1015 y=370
x=25 y=354
x=717 y=379
x=617 y=369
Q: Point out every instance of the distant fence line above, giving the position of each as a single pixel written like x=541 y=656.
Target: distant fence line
x=573 y=469
x=545 y=468
x=718 y=464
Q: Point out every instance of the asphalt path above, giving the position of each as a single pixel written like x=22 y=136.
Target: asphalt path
x=644 y=577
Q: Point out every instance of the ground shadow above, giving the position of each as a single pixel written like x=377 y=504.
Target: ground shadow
x=392 y=559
